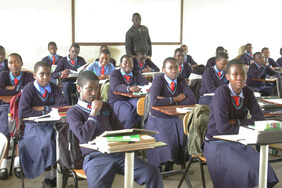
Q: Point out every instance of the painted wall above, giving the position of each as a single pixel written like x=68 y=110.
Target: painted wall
x=29 y=25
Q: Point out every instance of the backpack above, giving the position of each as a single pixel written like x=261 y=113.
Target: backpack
x=197 y=125
x=16 y=125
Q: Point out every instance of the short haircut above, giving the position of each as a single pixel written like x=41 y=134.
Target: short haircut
x=105 y=52
x=180 y=50
x=15 y=54
x=256 y=54
x=234 y=62
x=41 y=64
x=1 y=47
x=265 y=48
x=103 y=46
x=86 y=76
x=75 y=45
x=169 y=59
x=218 y=49
x=141 y=52
x=248 y=44
x=135 y=14
x=221 y=55
x=183 y=45
x=52 y=43
x=125 y=56
x=280 y=49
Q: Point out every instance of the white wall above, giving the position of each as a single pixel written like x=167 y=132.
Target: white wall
x=29 y=25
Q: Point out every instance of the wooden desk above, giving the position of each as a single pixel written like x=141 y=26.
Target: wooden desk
x=128 y=94
x=171 y=110
x=7 y=98
x=265 y=80
x=273 y=101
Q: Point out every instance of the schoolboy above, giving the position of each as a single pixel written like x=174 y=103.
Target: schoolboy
x=232 y=164
x=279 y=60
x=248 y=57
x=211 y=61
x=70 y=62
x=143 y=64
x=102 y=68
x=3 y=60
x=269 y=61
x=188 y=58
x=125 y=80
x=105 y=47
x=38 y=145
x=88 y=119
x=168 y=89
x=259 y=70
x=12 y=81
x=53 y=58
x=184 y=69
x=213 y=77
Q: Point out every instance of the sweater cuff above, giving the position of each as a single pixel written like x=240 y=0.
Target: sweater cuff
x=92 y=118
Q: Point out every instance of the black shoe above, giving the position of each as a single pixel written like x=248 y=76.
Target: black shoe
x=168 y=166
x=47 y=183
x=54 y=182
x=17 y=172
x=3 y=173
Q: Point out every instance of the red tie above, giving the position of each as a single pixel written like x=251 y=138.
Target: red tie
x=127 y=78
x=89 y=106
x=72 y=62
x=179 y=68
x=140 y=64
x=251 y=55
x=236 y=98
x=172 y=86
x=54 y=59
x=16 y=81
x=45 y=93
x=103 y=71
x=219 y=74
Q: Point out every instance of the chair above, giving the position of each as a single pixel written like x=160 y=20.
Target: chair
x=195 y=123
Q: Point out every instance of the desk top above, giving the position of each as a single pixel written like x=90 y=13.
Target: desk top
x=273 y=101
x=265 y=80
x=171 y=110
x=128 y=94
x=7 y=98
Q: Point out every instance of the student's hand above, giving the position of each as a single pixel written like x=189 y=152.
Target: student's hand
x=180 y=97
x=160 y=97
x=10 y=87
x=232 y=122
x=65 y=72
x=96 y=107
x=38 y=108
x=134 y=89
x=145 y=70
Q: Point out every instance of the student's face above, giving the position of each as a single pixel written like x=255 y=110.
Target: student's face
x=266 y=53
x=53 y=49
x=126 y=65
x=74 y=52
x=221 y=64
x=171 y=69
x=237 y=77
x=89 y=91
x=43 y=75
x=249 y=48
x=185 y=48
x=136 y=20
x=141 y=58
x=2 y=55
x=104 y=59
x=15 y=64
x=180 y=57
x=259 y=59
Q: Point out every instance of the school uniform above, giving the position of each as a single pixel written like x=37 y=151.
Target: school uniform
x=138 y=38
x=37 y=148
x=279 y=61
x=68 y=84
x=99 y=167
x=185 y=70
x=7 y=79
x=137 y=66
x=4 y=66
x=211 y=80
x=97 y=68
x=247 y=58
x=256 y=71
x=210 y=62
x=272 y=63
x=189 y=60
x=125 y=107
x=52 y=60
x=232 y=164
x=113 y=61
x=170 y=128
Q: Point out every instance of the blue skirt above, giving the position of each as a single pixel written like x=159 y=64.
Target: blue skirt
x=232 y=164
x=4 y=128
x=171 y=132
x=37 y=148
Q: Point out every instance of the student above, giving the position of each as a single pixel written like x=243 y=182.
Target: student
x=12 y=82
x=269 y=61
x=184 y=68
x=211 y=61
x=3 y=60
x=53 y=58
x=279 y=60
x=168 y=89
x=70 y=62
x=125 y=80
x=143 y=64
x=105 y=47
x=259 y=70
x=137 y=37
x=38 y=144
x=188 y=58
x=102 y=68
x=247 y=58
x=213 y=77
x=88 y=119
x=232 y=164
